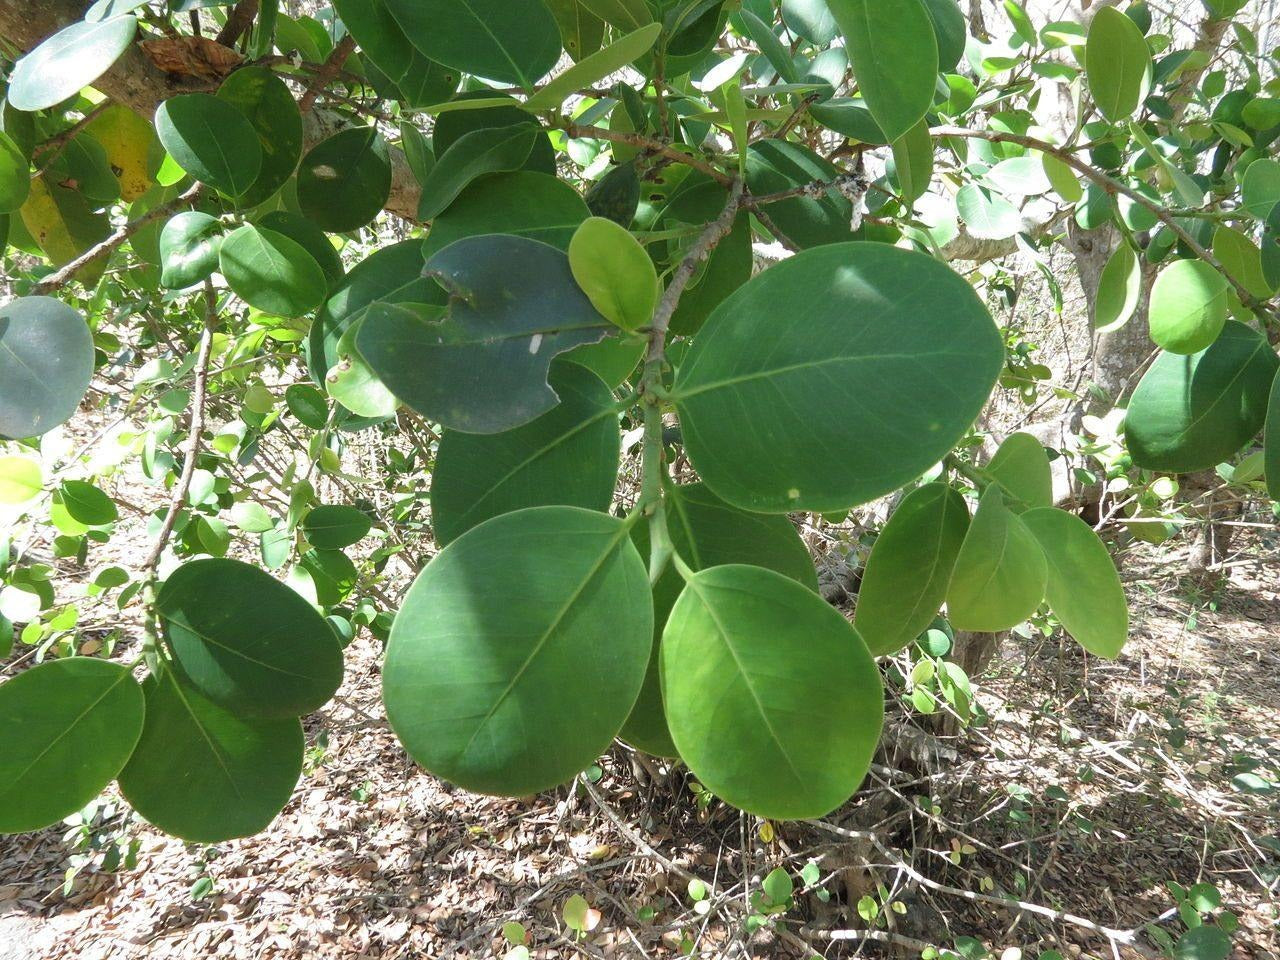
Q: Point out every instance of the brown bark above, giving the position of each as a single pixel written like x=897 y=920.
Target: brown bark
x=137 y=83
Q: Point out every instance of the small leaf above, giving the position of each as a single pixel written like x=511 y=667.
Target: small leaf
x=189 y=246
x=614 y=272
x=778 y=886
x=87 y=504
x=1119 y=290
x=334 y=526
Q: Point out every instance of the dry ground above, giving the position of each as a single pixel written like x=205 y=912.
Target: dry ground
x=1090 y=786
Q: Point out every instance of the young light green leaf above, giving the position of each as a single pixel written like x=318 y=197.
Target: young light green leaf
x=1000 y=574
x=615 y=273
x=595 y=68
x=21 y=480
x=1188 y=306
x=1021 y=468
x=1119 y=290
x=1117 y=64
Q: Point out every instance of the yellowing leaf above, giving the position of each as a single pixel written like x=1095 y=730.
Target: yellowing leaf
x=62 y=224
x=132 y=148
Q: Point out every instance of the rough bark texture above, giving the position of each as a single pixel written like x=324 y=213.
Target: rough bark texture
x=137 y=83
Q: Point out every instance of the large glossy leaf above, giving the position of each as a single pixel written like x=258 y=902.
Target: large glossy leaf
x=951 y=29
x=1084 y=590
x=1261 y=187
x=419 y=82
x=212 y=140
x=615 y=273
x=271 y=272
x=344 y=182
x=480 y=152
x=1117 y=64
x=72 y=58
x=511 y=43
x=453 y=125
x=777 y=165
x=910 y=566
x=1192 y=413
x=207 y=775
x=1188 y=306
x=1000 y=574
x=852 y=397
x=567 y=456
x=1271 y=442
x=69 y=728
x=46 y=362
x=523 y=203
x=467 y=681
x=189 y=246
x=271 y=110
x=747 y=655
x=706 y=532
x=810 y=19
x=894 y=53
x=392 y=274
x=1021 y=468
x=334 y=526
x=246 y=641
x=595 y=68
x=482 y=368
x=1119 y=290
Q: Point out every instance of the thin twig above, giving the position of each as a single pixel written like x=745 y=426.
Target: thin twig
x=660 y=147
x=328 y=70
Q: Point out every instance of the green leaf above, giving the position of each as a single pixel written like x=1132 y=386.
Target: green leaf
x=824 y=408
x=623 y=14
x=494 y=39
x=523 y=203
x=15 y=175
x=1000 y=574
x=779 y=56
x=480 y=152
x=581 y=31
x=271 y=272
x=849 y=117
x=1020 y=176
x=21 y=480
x=212 y=140
x=416 y=81
x=810 y=19
x=1271 y=442
x=1261 y=187
x=615 y=272
x=1206 y=942
x=1119 y=290
x=1062 y=178
x=482 y=368
x=70 y=726
x=772 y=651
x=1021 y=468
x=567 y=456
x=910 y=566
x=392 y=274
x=344 y=182
x=353 y=383
x=913 y=162
x=1117 y=64
x=206 y=775
x=72 y=58
x=308 y=405
x=1242 y=259
x=87 y=504
x=1083 y=589
x=466 y=681
x=46 y=363
x=334 y=526
x=1192 y=413
x=778 y=886
x=594 y=68
x=894 y=53
x=575 y=912
x=987 y=217
x=1188 y=306
x=777 y=165
x=251 y=517
x=189 y=246
x=64 y=225
x=271 y=110
x=706 y=532
x=466 y=117
x=246 y=641
x=952 y=30
x=310 y=237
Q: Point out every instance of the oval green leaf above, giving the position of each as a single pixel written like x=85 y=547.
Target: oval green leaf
x=1021 y=468
x=189 y=245
x=211 y=140
x=344 y=182
x=72 y=58
x=248 y=642
x=466 y=680
x=615 y=272
x=1117 y=64
x=910 y=566
x=70 y=726
x=271 y=110
x=1119 y=290
x=1271 y=442
x=206 y=775
x=1083 y=590
x=594 y=68
x=1192 y=413
x=21 y=480
x=860 y=393
x=87 y=504
x=271 y=272
x=771 y=650
x=1188 y=306
x=46 y=363
x=1000 y=574
x=480 y=152
x=334 y=526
